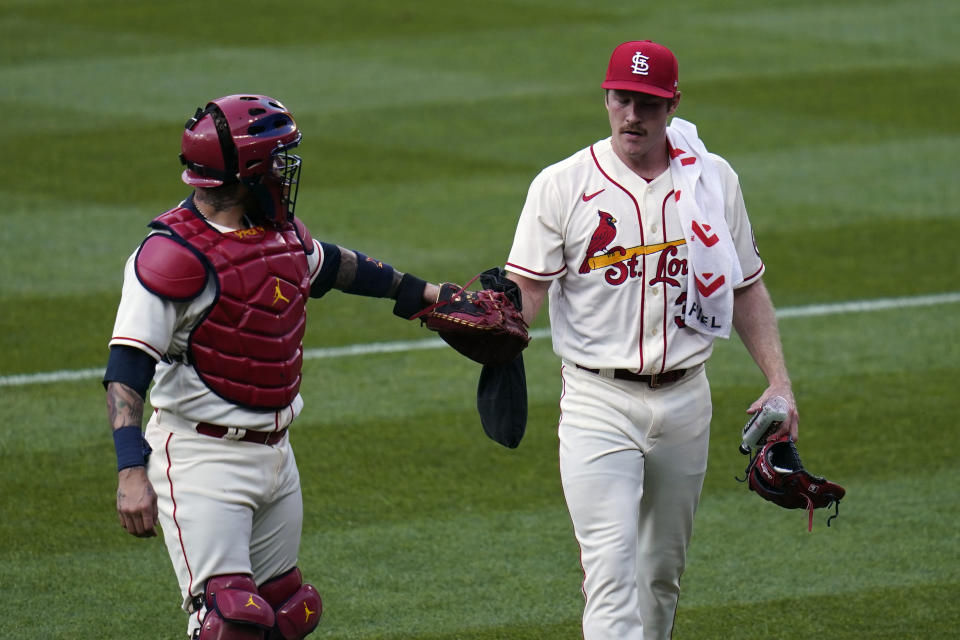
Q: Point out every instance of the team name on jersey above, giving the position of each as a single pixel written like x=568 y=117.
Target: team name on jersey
x=625 y=264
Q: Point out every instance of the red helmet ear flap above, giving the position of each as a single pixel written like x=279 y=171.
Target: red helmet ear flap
x=209 y=161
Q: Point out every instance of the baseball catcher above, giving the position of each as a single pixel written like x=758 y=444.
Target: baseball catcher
x=776 y=473
x=486 y=326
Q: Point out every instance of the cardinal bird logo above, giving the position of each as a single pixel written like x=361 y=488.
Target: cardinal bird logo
x=605 y=233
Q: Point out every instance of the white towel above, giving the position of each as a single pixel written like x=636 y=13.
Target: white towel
x=714 y=268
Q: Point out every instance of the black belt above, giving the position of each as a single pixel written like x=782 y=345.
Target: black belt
x=260 y=437
x=654 y=380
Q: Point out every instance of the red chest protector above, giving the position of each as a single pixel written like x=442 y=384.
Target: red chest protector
x=248 y=347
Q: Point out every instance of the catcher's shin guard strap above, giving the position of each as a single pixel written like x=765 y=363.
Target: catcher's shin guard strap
x=409 y=296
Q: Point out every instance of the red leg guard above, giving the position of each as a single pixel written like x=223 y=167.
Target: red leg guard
x=235 y=610
x=297 y=605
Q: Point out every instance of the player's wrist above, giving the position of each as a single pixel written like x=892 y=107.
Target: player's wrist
x=409 y=296
x=132 y=476
x=131 y=447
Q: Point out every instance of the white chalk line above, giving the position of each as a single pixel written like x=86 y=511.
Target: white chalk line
x=836 y=308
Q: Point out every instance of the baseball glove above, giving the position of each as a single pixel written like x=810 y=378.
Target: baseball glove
x=777 y=474
x=486 y=326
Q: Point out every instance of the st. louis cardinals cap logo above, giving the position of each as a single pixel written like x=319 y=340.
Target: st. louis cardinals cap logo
x=643 y=66
x=640 y=66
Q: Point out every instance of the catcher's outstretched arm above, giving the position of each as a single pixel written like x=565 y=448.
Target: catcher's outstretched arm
x=353 y=272
x=534 y=292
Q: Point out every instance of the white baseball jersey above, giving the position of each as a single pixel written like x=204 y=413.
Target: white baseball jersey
x=158 y=326
x=614 y=246
x=226 y=507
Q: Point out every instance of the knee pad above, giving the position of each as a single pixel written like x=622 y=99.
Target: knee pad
x=297 y=606
x=235 y=610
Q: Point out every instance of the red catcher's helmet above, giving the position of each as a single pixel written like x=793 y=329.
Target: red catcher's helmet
x=245 y=138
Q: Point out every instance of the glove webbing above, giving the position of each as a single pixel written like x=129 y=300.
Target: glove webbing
x=440 y=303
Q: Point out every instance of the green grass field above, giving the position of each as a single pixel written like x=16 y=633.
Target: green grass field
x=423 y=126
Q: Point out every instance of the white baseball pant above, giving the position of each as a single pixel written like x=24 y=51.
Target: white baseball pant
x=225 y=506
x=632 y=462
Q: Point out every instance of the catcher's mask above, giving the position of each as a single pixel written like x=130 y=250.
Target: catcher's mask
x=247 y=139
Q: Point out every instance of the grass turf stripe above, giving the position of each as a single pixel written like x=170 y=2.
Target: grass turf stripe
x=805 y=311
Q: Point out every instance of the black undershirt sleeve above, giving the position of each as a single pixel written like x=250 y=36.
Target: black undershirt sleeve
x=354 y=273
x=130 y=366
x=328 y=271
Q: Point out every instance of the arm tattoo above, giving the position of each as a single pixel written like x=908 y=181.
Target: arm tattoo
x=124 y=405
x=348 y=269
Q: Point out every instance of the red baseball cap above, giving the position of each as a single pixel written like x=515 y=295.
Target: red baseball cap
x=644 y=67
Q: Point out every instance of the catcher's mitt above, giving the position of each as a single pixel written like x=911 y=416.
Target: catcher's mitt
x=777 y=475
x=486 y=326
